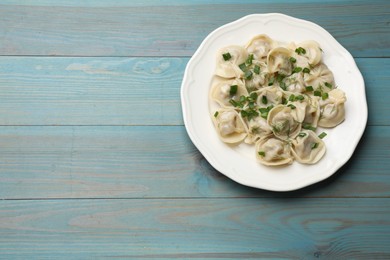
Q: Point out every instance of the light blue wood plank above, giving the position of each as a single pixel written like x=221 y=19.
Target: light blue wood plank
x=376 y=76
x=148 y=162
x=196 y=228
x=173 y=29
x=126 y=3
x=123 y=91
x=90 y=91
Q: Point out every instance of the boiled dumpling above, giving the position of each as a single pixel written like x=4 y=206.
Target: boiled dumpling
x=257 y=127
x=298 y=109
x=320 y=78
x=332 y=109
x=311 y=55
x=278 y=60
x=271 y=151
x=284 y=122
x=295 y=83
x=230 y=126
x=228 y=60
x=307 y=147
x=260 y=46
x=224 y=90
x=298 y=103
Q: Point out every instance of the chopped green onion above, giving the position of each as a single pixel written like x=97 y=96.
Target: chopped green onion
x=249 y=59
x=302 y=134
x=283 y=85
x=327 y=84
x=280 y=77
x=271 y=82
x=322 y=135
x=249 y=113
x=309 y=88
x=253 y=114
x=261 y=153
x=234 y=103
x=292 y=106
x=306 y=70
x=237 y=103
x=296 y=98
x=314 y=145
x=324 y=95
x=300 y=50
x=242 y=66
x=253 y=96
x=264 y=100
x=308 y=127
x=317 y=93
x=233 y=90
x=256 y=69
x=296 y=70
x=216 y=113
x=248 y=75
x=264 y=111
x=293 y=60
x=264 y=114
x=226 y=56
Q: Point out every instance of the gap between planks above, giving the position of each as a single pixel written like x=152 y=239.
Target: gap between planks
x=276 y=195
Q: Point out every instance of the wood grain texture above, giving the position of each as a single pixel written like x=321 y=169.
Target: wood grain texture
x=193 y=228
x=173 y=29
x=90 y=91
x=95 y=161
x=126 y=3
x=149 y=162
x=376 y=82
x=124 y=91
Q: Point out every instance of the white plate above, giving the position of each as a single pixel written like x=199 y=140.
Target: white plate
x=239 y=163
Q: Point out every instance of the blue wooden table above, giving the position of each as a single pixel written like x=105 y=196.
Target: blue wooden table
x=95 y=161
